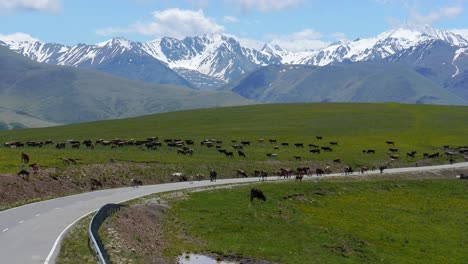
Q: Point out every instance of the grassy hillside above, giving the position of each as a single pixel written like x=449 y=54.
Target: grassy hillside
x=67 y=95
x=391 y=221
x=356 y=127
x=358 y=82
x=10 y=119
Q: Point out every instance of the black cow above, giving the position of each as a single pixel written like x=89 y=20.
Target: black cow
x=257 y=194
x=241 y=153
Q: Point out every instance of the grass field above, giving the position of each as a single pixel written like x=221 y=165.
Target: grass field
x=376 y=221
x=422 y=128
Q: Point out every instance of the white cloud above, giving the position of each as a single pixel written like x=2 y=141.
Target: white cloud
x=177 y=23
x=263 y=5
x=339 y=36
x=307 y=39
x=250 y=43
x=18 y=37
x=37 y=5
x=443 y=12
x=230 y=19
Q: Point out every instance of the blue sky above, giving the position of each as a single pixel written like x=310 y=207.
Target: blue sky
x=298 y=24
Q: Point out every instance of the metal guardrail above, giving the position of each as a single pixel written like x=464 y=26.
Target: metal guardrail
x=99 y=218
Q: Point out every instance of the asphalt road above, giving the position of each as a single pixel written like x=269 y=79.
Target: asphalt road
x=32 y=233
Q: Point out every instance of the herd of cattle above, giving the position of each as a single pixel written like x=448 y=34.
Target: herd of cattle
x=186 y=147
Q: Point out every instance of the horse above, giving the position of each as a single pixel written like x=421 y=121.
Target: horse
x=257 y=194
x=24 y=157
x=213 y=175
x=136 y=182
x=23 y=174
x=285 y=173
x=364 y=169
x=382 y=168
x=95 y=183
x=319 y=171
x=241 y=173
x=261 y=173
x=35 y=167
x=180 y=176
x=348 y=170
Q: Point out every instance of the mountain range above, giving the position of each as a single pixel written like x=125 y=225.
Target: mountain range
x=408 y=65
x=44 y=94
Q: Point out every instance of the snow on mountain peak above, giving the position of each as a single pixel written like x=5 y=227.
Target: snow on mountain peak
x=18 y=37
x=119 y=41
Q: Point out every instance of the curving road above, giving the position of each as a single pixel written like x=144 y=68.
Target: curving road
x=32 y=233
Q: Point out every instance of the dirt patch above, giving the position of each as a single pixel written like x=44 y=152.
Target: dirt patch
x=51 y=182
x=135 y=234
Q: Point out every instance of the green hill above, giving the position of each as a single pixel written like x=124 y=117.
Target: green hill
x=356 y=127
x=359 y=82
x=68 y=95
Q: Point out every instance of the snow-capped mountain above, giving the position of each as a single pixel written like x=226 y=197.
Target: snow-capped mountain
x=382 y=46
x=213 y=55
x=211 y=61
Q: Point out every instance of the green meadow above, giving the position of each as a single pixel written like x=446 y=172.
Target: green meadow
x=376 y=221
x=356 y=127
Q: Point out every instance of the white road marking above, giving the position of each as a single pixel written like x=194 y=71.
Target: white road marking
x=60 y=237
x=4 y=230
x=38 y=214
x=20 y=222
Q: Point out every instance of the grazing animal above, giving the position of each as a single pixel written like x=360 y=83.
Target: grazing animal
x=348 y=170
x=136 y=182
x=364 y=169
x=319 y=137
x=213 y=175
x=463 y=176
x=328 y=149
x=411 y=154
x=23 y=174
x=241 y=153
x=179 y=176
x=35 y=167
x=285 y=173
x=370 y=151
x=333 y=143
x=303 y=170
x=272 y=155
x=393 y=149
x=245 y=143
x=390 y=143
x=229 y=154
x=261 y=173
x=284 y=144
x=24 y=157
x=299 y=145
x=257 y=194
x=241 y=173
x=337 y=160
x=382 y=168
x=394 y=157
x=299 y=177
x=433 y=155
x=316 y=151
x=272 y=140
x=319 y=171
x=297 y=157
x=95 y=183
